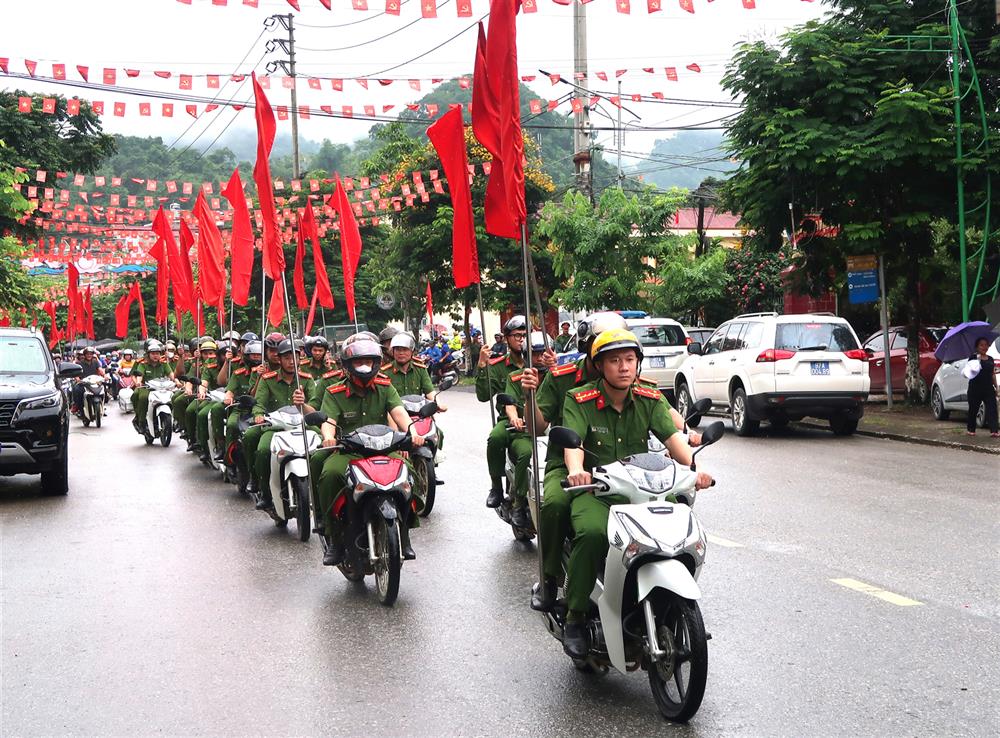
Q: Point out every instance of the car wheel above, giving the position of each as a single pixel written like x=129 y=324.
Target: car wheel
x=923 y=391
x=684 y=403
x=742 y=423
x=56 y=481
x=843 y=426
x=937 y=405
x=981 y=415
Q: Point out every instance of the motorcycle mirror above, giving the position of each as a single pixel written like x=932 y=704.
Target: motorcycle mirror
x=427 y=410
x=315 y=418
x=67 y=370
x=563 y=437
x=245 y=402
x=447 y=383
x=697 y=410
x=713 y=433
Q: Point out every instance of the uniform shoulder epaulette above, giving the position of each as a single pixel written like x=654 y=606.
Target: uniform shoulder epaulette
x=646 y=380
x=497 y=360
x=335 y=388
x=651 y=392
x=241 y=371
x=210 y=365
x=305 y=361
x=586 y=395
x=419 y=362
x=383 y=380
x=516 y=376
x=269 y=375
x=333 y=373
x=562 y=370
x=307 y=375
x=386 y=367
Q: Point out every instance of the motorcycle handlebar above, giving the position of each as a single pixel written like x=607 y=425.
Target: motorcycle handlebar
x=595 y=487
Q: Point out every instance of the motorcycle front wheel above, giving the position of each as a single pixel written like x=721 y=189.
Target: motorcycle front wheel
x=678 y=679
x=166 y=432
x=388 y=560
x=299 y=491
x=426 y=477
x=98 y=412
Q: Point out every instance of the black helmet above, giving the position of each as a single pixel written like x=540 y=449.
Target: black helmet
x=249 y=336
x=516 y=323
x=287 y=346
x=273 y=340
x=318 y=341
x=387 y=333
x=362 y=348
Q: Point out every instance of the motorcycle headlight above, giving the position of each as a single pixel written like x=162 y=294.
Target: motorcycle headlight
x=640 y=542
x=36 y=403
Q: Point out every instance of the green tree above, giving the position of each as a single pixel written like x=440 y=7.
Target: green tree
x=608 y=253
x=17 y=290
x=836 y=124
x=691 y=289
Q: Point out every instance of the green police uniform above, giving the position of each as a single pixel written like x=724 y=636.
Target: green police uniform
x=241 y=379
x=413 y=380
x=215 y=412
x=181 y=399
x=499 y=438
x=520 y=443
x=351 y=407
x=314 y=372
x=608 y=435
x=319 y=386
x=140 y=398
x=273 y=392
x=210 y=375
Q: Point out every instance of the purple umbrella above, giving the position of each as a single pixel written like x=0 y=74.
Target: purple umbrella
x=960 y=341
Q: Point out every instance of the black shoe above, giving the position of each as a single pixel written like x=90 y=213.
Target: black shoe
x=265 y=503
x=575 y=641
x=519 y=517
x=495 y=497
x=333 y=555
x=544 y=597
x=204 y=458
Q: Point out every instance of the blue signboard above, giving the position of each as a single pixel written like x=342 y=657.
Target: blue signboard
x=862 y=286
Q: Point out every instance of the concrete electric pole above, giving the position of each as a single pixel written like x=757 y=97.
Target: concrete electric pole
x=288 y=66
x=581 y=120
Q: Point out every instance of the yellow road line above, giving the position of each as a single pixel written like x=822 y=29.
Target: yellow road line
x=724 y=542
x=882 y=594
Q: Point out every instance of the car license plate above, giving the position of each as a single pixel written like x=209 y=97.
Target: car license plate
x=820 y=368
x=657 y=362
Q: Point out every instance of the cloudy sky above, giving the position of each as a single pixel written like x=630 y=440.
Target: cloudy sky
x=203 y=39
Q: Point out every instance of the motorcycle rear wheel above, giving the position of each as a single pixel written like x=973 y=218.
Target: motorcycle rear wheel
x=678 y=681
x=299 y=491
x=166 y=431
x=389 y=561
x=86 y=422
x=427 y=477
x=98 y=412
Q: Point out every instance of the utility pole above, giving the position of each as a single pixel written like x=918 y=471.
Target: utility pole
x=955 y=57
x=621 y=136
x=288 y=66
x=581 y=122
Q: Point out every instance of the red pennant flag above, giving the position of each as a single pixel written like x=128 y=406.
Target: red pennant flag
x=274 y=256
x=687 y=5
x=185 y=274
x=142 y=310
x=693 y=67
x=311 y=232
x=298 y=277
x=121 y=314
x=430 y=308
x=312 y=312
x=88 y=308
x=448 y=138
x=428 y=8
x=294 y=4
x=241 y=243
x=211 y=255
x=182 y=282
x=350 y=241
x=276 y=310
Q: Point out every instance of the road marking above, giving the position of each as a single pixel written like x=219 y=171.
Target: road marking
x=882 y=594
x=724 y=542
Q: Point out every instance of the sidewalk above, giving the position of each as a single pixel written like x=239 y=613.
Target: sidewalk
x=917 y=425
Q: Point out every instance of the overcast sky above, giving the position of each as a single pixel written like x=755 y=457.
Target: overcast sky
x=204 y=39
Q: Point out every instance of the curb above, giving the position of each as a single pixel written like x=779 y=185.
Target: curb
x=913 y=439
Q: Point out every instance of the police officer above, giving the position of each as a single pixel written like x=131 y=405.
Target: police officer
x=214 y=409
x=385 y=337
x=153 y=366
x=408 y=375
x=242 y=381
x=275 y=390
x=271 y=343
x=209 y=380
x=614 y=416
x=365 y=396
x=315 y=363
x=188 y=365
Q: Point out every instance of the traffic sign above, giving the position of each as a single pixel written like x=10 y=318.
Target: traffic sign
x=862 y=279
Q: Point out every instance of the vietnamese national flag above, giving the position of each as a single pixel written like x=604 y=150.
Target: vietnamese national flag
x=350 y=241
x=448 y=138
x=274 y=256
x=211 y=255
x=322 y=280
x=241 y=243
x=298 y=276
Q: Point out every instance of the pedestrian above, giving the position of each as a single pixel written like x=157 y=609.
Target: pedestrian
x=499 y=347
x=982 y=389
x=564 y=339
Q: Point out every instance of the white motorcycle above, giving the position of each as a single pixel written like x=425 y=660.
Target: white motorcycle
x=159 y=420
x=644 y=608
x=289 y=480
x=91 y=409
x=216 y=445
x=126 y=388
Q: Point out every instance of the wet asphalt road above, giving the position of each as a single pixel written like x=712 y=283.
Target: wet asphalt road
x=153 y=600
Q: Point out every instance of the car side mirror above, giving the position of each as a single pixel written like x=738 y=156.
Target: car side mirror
x=315 y=418
x=869 y=350
x=695 y=348
x=68 y=370
x=427 y=410
x=563 y=437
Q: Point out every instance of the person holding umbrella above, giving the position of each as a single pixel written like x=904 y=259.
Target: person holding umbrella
x=982 y=389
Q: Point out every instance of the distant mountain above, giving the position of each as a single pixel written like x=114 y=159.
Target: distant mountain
x=684 y=160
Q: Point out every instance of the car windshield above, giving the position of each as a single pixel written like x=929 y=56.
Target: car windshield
x=937 y=334
x=829 y=336
x=22 y=355
x=659 y=335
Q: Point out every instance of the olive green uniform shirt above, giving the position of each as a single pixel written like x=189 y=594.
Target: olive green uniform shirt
x=274 y=391
x=210 y=373
x=240 y=379
x=351 y=406
x=499 y=369
x=319 y=386
x=151 y=371
x=413 y=381
x=307 y=366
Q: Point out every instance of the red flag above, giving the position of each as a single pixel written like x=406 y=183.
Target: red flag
x=184 y=260
x=322 y=280
x=312 y=311
x=276 y=311
x=211 y=255
x=430 y=308
x=298 y=277
x=121 y=313
x=241 y=245
x=448 y=138
x=88 y=312
x=162 y=281
x=74 y=308
x=182 y=283
x=350 y=241
x=142 y=310
x=274 y=257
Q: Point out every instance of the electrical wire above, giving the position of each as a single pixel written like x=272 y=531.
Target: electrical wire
x=374 y=40
x=431 y=50
x=346 y=25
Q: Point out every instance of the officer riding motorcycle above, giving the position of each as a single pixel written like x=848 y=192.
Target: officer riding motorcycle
x=153 y=366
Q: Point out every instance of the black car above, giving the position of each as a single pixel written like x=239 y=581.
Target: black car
x=34 y=412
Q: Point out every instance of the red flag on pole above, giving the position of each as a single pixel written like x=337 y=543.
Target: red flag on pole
x=88 y=312
x=448 y=138
x=312 y=311
x=184 y=261
x=322 y=280
x=276 y=310
x=241 y=245
x=430 y=308
x=298 y=276
x=274 y=257
x=350 y=241
x=142 y=310
x=181 y=282
x=211 y=255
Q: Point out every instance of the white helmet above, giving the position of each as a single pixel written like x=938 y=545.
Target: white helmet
x=403 y=340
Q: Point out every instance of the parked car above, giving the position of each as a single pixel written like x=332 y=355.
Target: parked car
x=34 y=411
x=664 y=345
x=765 y=366
x=700 y=334
x=874 y=346
x=949 y=389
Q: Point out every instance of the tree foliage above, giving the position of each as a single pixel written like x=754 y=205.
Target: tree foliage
x=17 y=290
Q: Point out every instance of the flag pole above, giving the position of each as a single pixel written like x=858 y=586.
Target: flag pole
x=482 y=330
x=529 y=397
x=538 y=300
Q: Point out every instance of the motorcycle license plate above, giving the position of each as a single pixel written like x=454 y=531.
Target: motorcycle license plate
x=820 y=368
x=657 y=362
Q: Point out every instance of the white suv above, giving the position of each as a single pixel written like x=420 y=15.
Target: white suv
x=664 y=345
x=765 y=366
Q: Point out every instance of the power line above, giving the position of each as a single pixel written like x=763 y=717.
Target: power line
x=376 y=39
x=431 y=50
x=352 y=23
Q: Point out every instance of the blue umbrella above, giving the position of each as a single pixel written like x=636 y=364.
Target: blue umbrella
x=960 y=341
